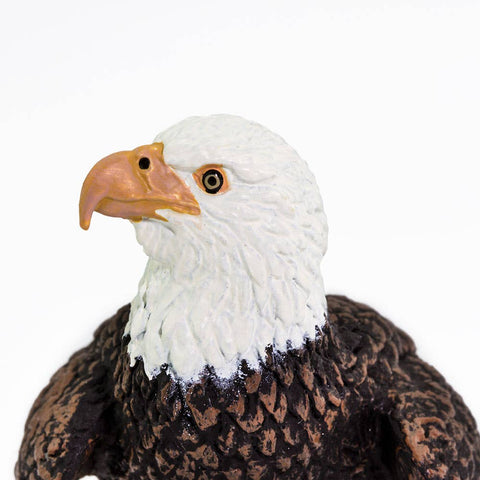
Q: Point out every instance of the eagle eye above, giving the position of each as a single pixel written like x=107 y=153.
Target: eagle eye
x=211 y=179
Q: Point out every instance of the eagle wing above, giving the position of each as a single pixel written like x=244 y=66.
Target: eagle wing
x=433 y=431
x=425 y=429
x=72 y=415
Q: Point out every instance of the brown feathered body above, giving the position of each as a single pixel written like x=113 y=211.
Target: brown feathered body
x=357 y=403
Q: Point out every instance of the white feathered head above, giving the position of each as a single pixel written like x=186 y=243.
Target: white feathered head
x=233 y=224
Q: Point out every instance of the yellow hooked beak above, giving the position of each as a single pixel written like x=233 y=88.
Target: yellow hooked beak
x=134 y=184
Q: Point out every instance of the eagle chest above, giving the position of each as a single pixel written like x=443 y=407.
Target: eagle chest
x=293 y=413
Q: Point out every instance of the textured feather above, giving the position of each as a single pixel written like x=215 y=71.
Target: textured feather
x=357 y=403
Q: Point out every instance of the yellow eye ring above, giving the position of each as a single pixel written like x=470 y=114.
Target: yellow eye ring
x=212 y=179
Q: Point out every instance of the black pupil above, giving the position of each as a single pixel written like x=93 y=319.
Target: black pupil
x=212 y=181
x=144 y=163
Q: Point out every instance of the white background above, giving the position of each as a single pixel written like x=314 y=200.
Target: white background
x=382 y=99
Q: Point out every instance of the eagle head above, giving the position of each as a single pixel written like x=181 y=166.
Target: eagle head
x=233 y=224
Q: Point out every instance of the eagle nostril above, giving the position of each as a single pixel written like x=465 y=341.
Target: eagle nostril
x=144 y=163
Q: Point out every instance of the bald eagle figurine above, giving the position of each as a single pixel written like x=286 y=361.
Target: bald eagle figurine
x=231 y=362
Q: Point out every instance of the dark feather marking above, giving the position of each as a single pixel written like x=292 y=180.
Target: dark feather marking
x=357 y=403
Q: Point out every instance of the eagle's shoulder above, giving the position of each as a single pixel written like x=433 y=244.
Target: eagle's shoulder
x=109 y=336
x=356 y=334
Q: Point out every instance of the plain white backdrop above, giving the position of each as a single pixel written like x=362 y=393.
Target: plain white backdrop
x=382 y=98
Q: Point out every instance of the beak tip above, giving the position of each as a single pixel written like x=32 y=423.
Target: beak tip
x=84 y=224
